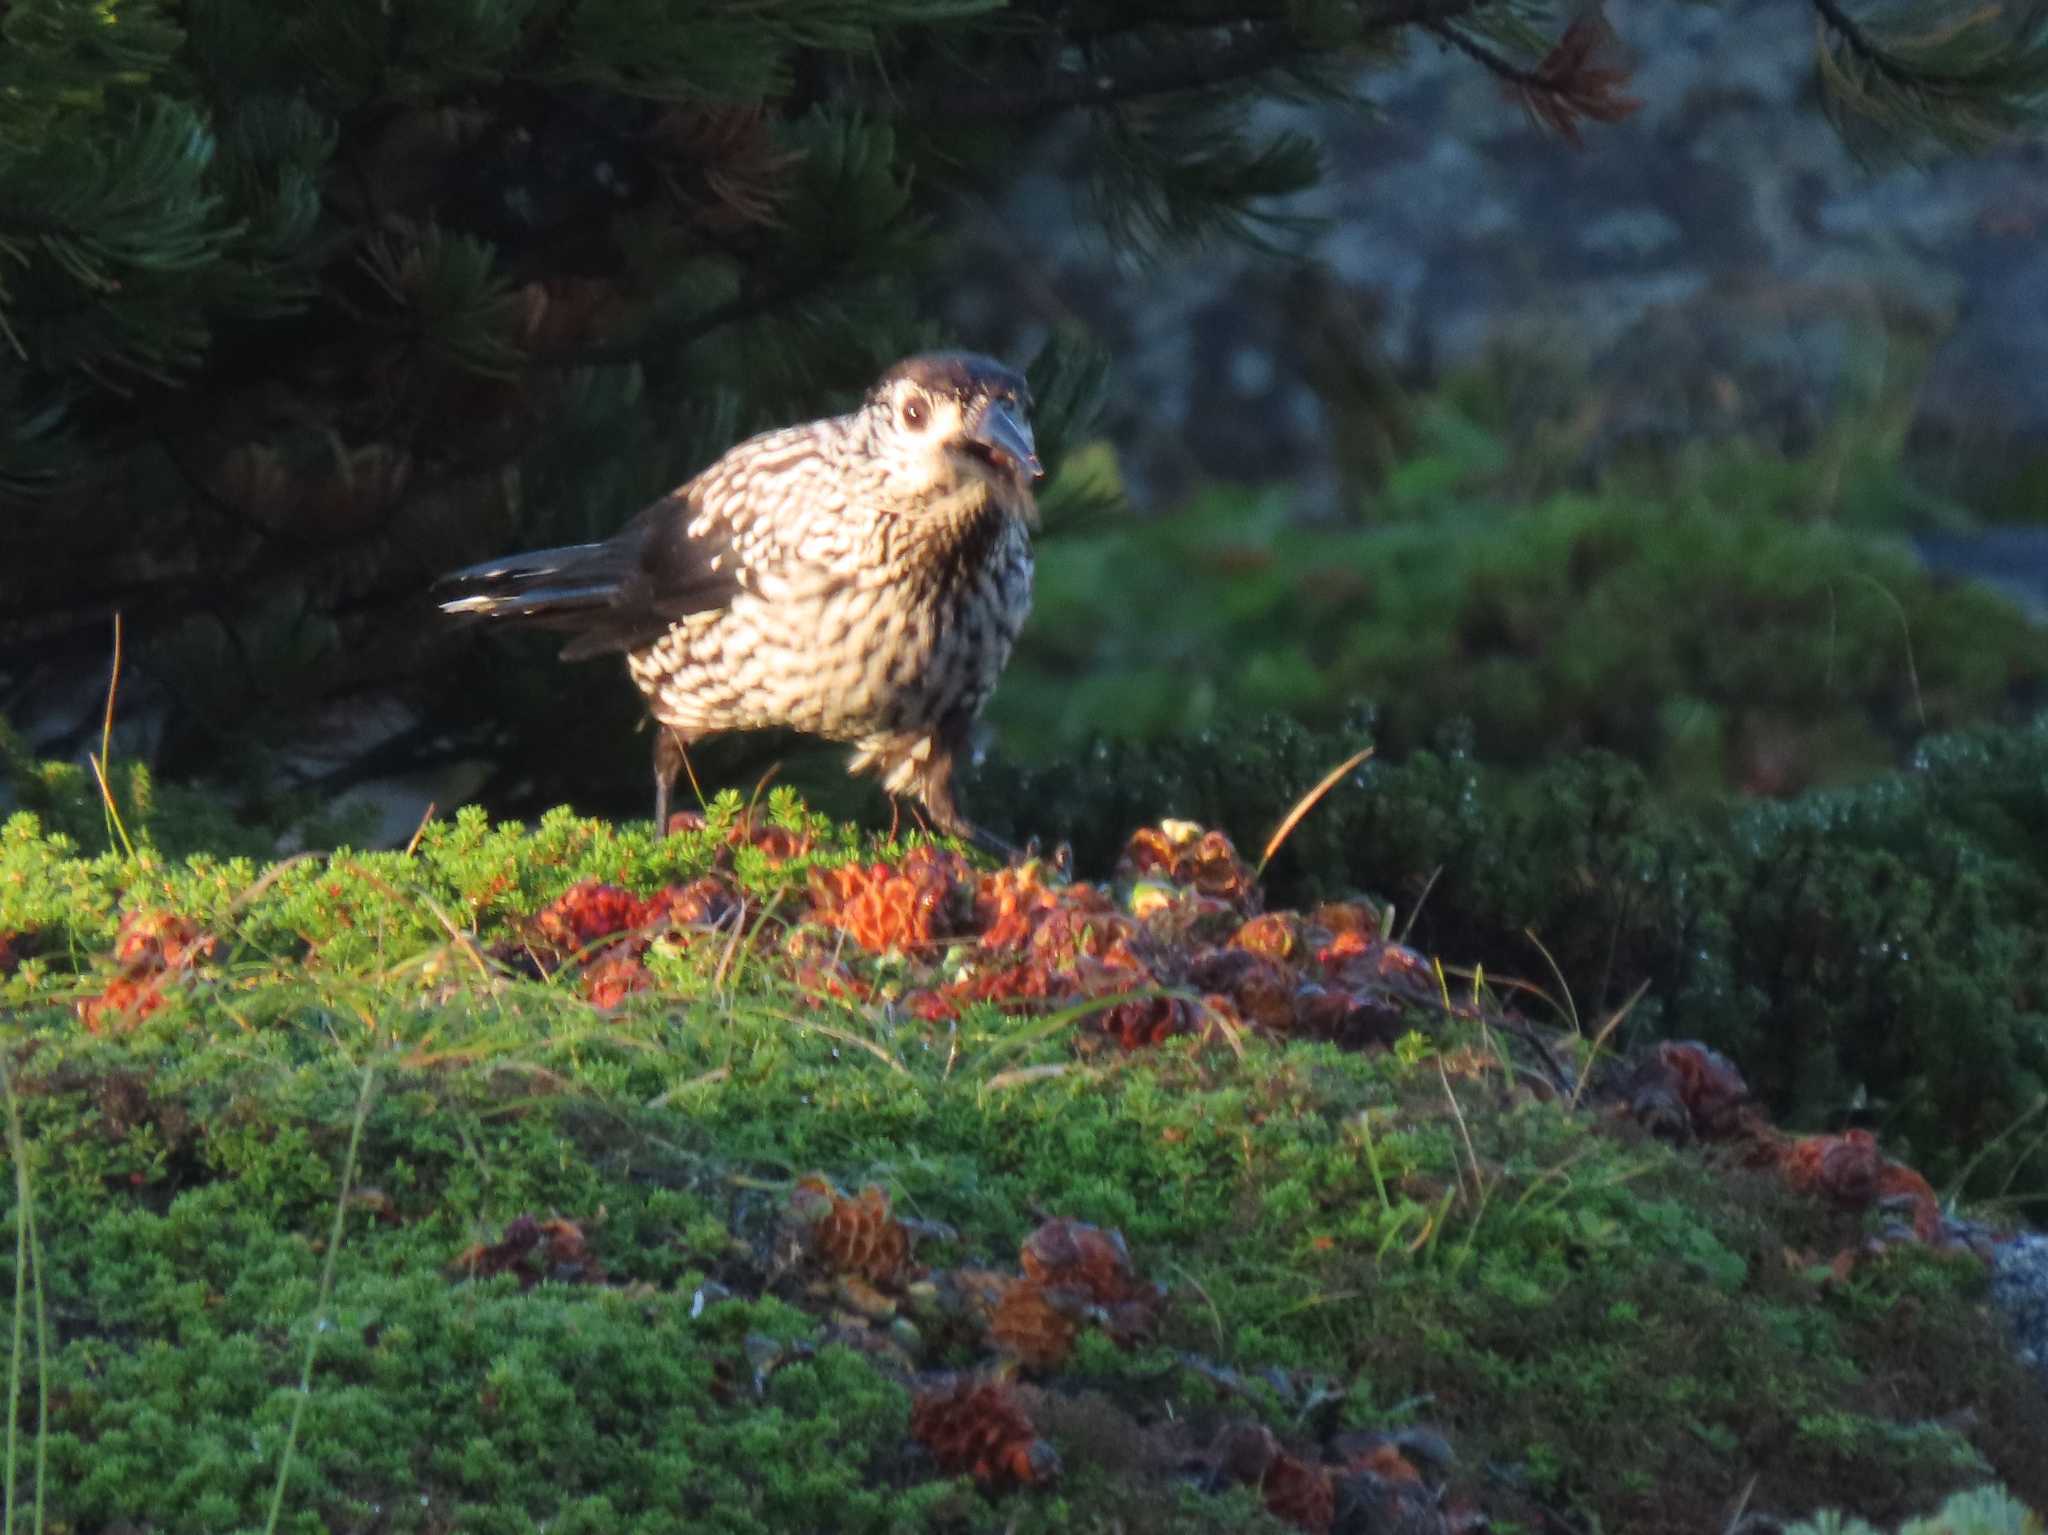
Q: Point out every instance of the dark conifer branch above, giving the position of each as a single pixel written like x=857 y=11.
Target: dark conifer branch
x=1255 y=46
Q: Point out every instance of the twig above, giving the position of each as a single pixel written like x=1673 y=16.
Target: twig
x=1263 y=45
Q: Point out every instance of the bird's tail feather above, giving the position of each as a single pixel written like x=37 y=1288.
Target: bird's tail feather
x=546 y=587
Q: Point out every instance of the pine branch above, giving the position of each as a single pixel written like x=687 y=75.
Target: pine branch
x=1971 y=80
x=1254 y=49
x=1858 y=42
x=1571 y=84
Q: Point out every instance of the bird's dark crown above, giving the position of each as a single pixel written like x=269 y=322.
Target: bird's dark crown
x=963 y=375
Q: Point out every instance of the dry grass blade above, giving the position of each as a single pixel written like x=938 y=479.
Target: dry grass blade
x=1464 y=1133
x=269 y=877
x=1306 y=803
x=28 y=1270
x=102 y=765
x=1571 y=1007
x=1600 y=1039
x=1906 y=634
x=456 y=935
x=1741 y=1505
x=710 y=1078
x=844 y=1036
x=1018 y=1076
x=1233 y=1035
x=334 y=1235
x=412 y=844
x=1408 y=927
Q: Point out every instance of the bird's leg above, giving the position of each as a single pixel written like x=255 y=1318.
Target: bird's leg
x=669 y=747
x=936 y=790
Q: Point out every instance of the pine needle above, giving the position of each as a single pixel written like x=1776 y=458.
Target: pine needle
x=1305 y=804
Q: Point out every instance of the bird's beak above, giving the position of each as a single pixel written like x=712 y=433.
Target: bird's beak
x=996 y=427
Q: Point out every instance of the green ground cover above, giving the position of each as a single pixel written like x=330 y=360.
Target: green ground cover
x=297 y=1150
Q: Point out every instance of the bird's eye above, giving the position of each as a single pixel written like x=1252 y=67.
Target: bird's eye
x=914 y=414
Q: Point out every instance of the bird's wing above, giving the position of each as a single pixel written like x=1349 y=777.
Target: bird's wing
x=770 y=518
x=762 y=519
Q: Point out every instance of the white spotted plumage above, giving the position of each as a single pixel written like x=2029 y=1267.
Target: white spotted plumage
x=867 y=578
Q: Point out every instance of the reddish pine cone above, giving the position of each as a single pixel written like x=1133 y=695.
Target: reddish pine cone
x=980 y=1429
x=855 y=1236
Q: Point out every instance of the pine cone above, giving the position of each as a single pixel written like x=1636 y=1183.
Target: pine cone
x=150 y=947
x=1274 y=936
x=588 y=911
x=1846 y=1168
x=980 y=1428
x=1072 y=1256
x=882 y=908
x=1008 y=904
x=160 y=940
x=613 y=976
x=532 y=1250
x=1299 y=1492
x=127 y=999
x=853 y=1236
x=1032 y=1327
x=705 y=902
x=1182 y=853
x=1686 y=1088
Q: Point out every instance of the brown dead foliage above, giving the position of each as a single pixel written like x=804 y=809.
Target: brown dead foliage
x=1683 y=1091
x=1850 y=1171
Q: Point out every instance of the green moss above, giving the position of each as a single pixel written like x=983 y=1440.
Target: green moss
x=1610 y=1325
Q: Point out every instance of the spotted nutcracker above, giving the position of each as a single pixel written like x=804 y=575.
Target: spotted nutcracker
x=861 y=578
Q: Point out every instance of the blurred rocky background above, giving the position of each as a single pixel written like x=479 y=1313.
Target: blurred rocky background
x=1721 y=263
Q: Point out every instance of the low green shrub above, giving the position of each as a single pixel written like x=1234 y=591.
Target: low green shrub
x=1715 y=643
x=1988 y=1511
x=1871 y=949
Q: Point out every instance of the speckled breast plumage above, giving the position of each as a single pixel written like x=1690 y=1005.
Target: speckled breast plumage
x=866 y=623
x=862 y=578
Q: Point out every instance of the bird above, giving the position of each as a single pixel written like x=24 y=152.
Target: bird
x=861 y=578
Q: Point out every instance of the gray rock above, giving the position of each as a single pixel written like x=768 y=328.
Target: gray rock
x=2019 y=1288
x=1720 y=262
